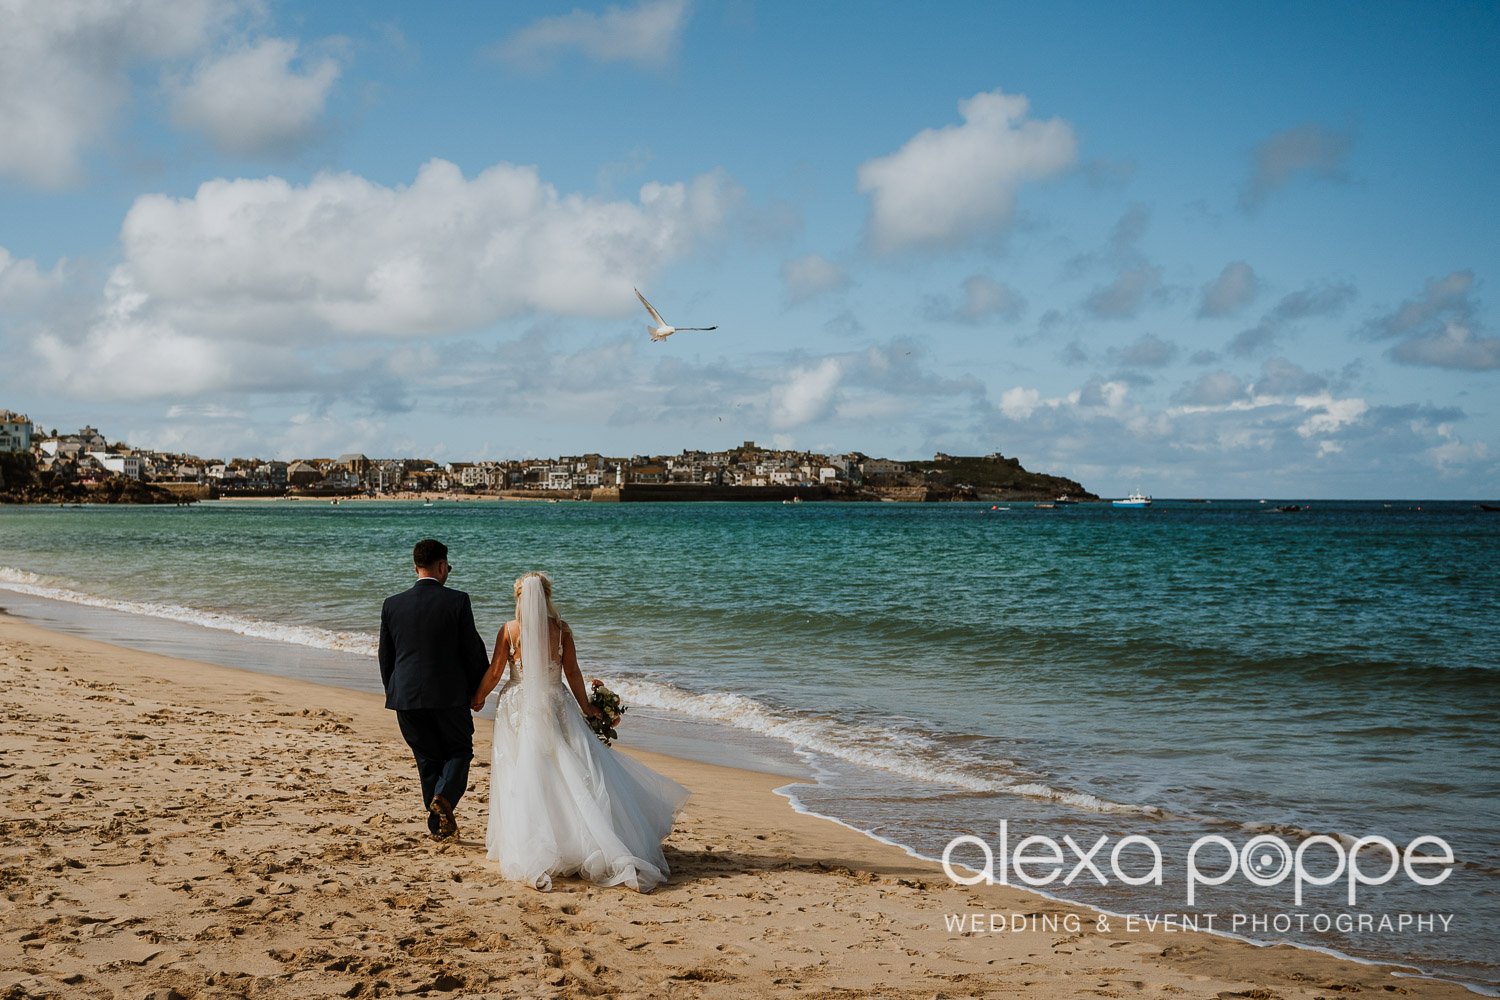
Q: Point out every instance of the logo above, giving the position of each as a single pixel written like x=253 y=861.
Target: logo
x=1265 y=860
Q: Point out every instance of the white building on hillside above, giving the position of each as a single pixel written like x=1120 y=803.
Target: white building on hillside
x=128 y=466
x=15 y=432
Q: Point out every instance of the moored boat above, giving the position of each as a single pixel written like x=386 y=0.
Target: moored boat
x=1136 y=499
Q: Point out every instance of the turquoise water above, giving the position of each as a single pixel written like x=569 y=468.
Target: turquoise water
x=1189 y=669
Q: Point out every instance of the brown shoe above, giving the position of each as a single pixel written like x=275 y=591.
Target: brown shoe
x=447 y=825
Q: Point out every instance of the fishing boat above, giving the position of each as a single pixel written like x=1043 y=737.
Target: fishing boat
x=1136 y=499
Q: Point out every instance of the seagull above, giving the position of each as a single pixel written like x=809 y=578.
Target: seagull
x=661 y=331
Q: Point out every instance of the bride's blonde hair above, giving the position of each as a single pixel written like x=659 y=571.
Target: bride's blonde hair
x=546 y=592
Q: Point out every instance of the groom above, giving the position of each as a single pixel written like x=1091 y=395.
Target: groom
x=431 y=662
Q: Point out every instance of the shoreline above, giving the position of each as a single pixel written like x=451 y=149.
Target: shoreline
x=176 y=824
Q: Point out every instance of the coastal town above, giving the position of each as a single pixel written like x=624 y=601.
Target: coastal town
x=38 y=464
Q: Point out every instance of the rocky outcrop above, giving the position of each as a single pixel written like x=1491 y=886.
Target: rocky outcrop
x=994 y=477
x=189 y=491
x=22 y=482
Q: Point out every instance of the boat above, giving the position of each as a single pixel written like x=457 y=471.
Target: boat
x=1045 y=505
x=1292 y=508
x=1064 y=499
x=1491 y=507
x=1136 y=499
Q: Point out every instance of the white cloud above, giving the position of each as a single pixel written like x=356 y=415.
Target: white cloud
x=806 y=394
x=1320 y=415
x=23 y=283
x=1326 y=415
x=346 y=255
x=1020 y=402
x=810 y=276
x=64 y=73
x=1456 y=346
x=1310 y=415
x=648 y=35
x=252 y=101
x=1101 y=394
x=1227 y=439
x=1452 y=454
x=945 y=186
x=125 y=354
x=1440 y=329
x=237 y=286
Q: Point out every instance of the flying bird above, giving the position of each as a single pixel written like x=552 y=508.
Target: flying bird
x=661 y=331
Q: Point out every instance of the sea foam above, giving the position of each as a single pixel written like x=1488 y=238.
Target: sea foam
x=25 y=582
x=897 y=750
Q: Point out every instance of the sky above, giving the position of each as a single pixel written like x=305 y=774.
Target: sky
x=1200 y=249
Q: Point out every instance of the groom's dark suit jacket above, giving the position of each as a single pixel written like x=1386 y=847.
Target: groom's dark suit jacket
x=431 y=655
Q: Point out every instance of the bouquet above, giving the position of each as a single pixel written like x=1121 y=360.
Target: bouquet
x=611 y=707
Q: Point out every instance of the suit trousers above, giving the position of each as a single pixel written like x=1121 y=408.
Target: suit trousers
x=442 y=741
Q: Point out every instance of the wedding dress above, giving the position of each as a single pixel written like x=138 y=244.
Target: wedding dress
x=561 y=802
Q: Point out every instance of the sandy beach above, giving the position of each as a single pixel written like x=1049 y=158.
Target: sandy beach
x=172 y=828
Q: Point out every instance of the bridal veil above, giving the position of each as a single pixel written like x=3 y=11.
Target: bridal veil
x=562 y=803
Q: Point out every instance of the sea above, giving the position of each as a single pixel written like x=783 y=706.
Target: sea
x=1195 y=681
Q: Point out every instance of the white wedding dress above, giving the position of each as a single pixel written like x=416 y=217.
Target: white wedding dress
x=561 y=802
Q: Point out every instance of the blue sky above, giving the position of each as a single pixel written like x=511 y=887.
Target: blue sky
x=1201 y=248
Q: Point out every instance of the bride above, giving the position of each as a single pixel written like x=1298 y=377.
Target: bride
x=561 y=802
